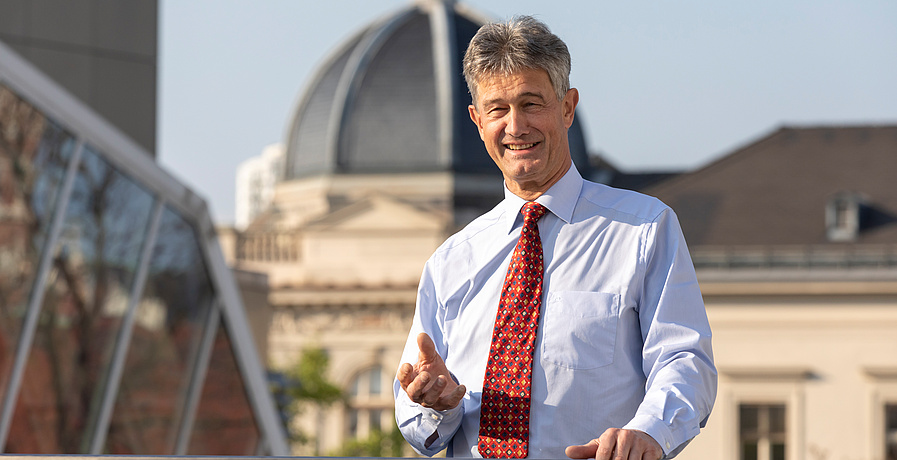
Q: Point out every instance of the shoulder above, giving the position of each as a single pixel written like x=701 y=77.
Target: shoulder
x=483 y=227
x=622 y=204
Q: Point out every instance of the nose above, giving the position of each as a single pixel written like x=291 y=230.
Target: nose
x=517 y=125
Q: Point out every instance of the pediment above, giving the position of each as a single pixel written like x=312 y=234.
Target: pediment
x=379 y=213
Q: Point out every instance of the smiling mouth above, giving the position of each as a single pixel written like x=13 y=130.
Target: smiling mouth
x=520 y=146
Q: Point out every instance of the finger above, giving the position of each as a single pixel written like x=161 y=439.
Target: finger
x=636 y=454
x=431 y=395
x=587 y=450
x=631 y=446
x=417 y=387
x=405 y=374
x=623 y=445
x=452 y=399
x=607 y=443
x=427 y=348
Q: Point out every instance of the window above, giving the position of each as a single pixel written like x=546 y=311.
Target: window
x=84 y=301
x=843 y=216
x=761 y=431
x=34 y=155
x=891 y=432
x=370 y=402
x=109 y=296
x=225 y=424
x=176 y=303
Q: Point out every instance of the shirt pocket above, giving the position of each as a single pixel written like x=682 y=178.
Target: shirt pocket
x=580 y=329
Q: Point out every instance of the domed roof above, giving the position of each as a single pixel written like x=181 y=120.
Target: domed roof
x=392 y=99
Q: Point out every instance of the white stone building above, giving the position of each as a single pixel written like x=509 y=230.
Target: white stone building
x=256 y=179
x=794 y=238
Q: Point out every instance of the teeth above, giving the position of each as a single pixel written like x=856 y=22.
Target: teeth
x=519 y=146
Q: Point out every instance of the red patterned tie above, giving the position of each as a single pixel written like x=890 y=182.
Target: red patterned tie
x=504 y=412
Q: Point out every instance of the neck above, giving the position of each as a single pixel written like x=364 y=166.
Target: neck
x=529 y=191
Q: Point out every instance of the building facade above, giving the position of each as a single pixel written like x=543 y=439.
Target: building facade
x=256 y=179
x=794 y=238
x=103 y=52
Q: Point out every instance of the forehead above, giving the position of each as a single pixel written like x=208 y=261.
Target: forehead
x=509 y=86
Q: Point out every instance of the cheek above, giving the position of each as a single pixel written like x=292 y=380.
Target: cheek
x=491 y=134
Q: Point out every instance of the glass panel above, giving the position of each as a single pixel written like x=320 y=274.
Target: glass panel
x=34 y=153
x=749 y=421
x=376 y=386
x=777 y=451
x=749 y=450
x=762 y=431
x=225 y=423
x=891 y=432
x=777 y=421
x=167 y=332
x=86 y=295
x=353 y=389
x=352 y=422
x=376 y=417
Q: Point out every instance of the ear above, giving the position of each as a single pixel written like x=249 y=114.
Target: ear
x=571 y=100
x=475 y=117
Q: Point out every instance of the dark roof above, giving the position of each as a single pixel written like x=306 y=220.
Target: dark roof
x=604 y=172
x=392 y=99
x=639 y=181
x=775 y=190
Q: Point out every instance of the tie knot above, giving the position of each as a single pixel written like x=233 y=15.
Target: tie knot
x=532 y=211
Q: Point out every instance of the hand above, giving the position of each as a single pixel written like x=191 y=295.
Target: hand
x=429 y=382
x=618 y=444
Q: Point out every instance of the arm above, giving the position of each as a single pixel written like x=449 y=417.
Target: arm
x=430 y=397
x=676 y=355
x=428 y=409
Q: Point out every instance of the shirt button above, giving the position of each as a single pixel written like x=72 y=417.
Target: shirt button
x=668 y=445
x=436 y=417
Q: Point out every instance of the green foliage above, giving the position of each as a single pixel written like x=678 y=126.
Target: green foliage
x=302 y=385
x=312 y=386
x=378 y=444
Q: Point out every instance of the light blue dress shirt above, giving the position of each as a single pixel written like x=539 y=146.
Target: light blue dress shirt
x=623 y=339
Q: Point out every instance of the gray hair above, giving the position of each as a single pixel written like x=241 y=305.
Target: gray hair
x=505 y=48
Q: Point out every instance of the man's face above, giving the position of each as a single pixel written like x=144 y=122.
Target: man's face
x=524 y=127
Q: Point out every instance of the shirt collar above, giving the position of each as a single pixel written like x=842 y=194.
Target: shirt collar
x=560 y=199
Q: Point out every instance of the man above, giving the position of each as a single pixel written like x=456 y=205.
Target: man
x=596 y=343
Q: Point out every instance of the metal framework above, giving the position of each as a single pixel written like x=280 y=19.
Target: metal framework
x=129 y=158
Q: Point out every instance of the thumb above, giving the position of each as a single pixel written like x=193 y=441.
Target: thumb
x=427 y=348
x=584 y=451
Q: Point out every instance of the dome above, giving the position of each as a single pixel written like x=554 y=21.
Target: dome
x=392 y=99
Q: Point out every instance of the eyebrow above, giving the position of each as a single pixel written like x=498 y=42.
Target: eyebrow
x=522 y=95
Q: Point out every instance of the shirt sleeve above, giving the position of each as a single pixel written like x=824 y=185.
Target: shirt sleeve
x=427 y=430
x=677 y=357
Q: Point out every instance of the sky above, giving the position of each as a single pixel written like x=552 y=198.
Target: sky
x=663 y=84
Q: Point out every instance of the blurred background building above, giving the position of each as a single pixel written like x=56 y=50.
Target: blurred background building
x=793 y=236
x=256 y=179
x=104 y=52
x=122 y=330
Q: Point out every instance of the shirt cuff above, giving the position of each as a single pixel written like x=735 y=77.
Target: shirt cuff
x=432 y=419
x=427 y=430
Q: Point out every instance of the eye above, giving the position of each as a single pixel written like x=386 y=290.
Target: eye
x=496 y=110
